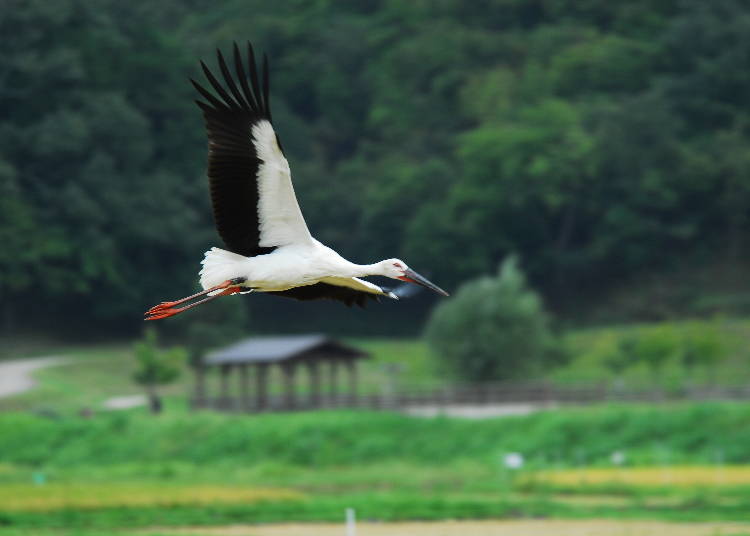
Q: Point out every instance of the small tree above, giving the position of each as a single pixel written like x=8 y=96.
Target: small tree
x=493 y=329
x=156 y=367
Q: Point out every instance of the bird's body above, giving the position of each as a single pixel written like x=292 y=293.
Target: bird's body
x=288 y=267
x=268 y=245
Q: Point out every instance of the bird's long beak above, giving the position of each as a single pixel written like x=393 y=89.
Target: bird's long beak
x=413 y=277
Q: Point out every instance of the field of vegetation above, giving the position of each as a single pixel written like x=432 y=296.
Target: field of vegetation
x=100 y=472
x=130 y=469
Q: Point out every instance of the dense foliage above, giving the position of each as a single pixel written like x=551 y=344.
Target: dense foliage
x=598 y=139
x=494 y=329
x=692 y=347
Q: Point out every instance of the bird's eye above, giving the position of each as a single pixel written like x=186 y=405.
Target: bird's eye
x=397 y=265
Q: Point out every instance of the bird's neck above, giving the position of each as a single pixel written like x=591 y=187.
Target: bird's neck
x=363 y=270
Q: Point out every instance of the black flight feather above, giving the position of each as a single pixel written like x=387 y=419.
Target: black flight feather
x=230 y=81
x=243 y=79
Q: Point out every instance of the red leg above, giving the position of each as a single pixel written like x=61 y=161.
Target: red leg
x=167 y=309
x=225 y=284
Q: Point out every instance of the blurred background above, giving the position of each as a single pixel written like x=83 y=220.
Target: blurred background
x=575 y=173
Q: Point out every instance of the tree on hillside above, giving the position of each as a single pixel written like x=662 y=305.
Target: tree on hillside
x=599 y=140
x=493 y=329
x=156 y=367
x=102 y=169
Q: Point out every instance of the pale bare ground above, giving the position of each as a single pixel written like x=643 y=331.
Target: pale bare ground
x=16 y=376
x=594 y=527
x=479 y=411
x=125 y=402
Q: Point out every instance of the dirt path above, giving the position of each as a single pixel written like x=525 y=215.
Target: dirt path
x=16 y=376
x=478 y=411
x=594 y=527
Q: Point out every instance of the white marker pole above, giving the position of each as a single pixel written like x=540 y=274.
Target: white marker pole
x=351 y=522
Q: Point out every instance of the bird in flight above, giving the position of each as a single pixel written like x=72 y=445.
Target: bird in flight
x=268 y=246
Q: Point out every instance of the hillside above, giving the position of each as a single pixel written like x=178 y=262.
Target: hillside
x=604 y=142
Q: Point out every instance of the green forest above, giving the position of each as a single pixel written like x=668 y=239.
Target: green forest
x=604 y=143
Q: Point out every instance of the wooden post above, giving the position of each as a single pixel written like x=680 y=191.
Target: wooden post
x=244 y=388
x=224 y=399
x=261 y=386
x=351 y=366
x=332 y=387
x=289 y=369
x=312 y=367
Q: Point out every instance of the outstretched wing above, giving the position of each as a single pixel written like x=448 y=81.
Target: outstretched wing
x=348 y=290
x=254 y=206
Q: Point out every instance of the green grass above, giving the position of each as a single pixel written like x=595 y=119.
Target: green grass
x=391 y=506
x=412 y=358
x=201 y=467
x=687 y=433
x=590 y=348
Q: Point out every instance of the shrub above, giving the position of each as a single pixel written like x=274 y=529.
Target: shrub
x=493 y=329
x=692 y=345
x=653 y=347
x=156 y=367
x=703 y=346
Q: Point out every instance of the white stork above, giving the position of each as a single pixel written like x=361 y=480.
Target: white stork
x=268 y=245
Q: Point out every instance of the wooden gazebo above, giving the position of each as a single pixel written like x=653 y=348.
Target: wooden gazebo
x=254 y=361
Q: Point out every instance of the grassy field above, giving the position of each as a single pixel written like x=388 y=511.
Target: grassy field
x=134 y=470
x=592 y=350
x=676 y=477
x=681 y=433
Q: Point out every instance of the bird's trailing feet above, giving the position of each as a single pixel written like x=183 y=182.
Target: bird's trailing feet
x=167 y=309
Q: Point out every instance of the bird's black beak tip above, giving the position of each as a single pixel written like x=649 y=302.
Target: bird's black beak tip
x=414 y=277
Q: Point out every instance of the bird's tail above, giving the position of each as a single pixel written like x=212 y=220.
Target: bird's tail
x=220 y=265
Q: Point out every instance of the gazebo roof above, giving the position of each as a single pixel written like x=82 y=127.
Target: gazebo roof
x=282 y=348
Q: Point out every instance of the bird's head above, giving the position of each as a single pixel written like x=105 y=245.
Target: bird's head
x=397 y=269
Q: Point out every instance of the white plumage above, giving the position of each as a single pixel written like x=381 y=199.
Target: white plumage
x=281 y=221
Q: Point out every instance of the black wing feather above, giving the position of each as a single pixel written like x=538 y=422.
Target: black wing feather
x=240 y=70
x=323 y=291
x=212 y=101
x=230 y=81
x=265 y=86
x=232 y=160
x=253 y=75
x=218 y=88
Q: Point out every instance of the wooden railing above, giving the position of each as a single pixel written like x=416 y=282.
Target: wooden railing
x=479 y=394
